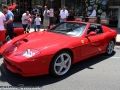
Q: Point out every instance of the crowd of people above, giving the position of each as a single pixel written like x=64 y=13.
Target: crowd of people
x=34 y=16
x=7 y=18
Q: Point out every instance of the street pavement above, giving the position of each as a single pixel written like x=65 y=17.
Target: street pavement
x=97 y=73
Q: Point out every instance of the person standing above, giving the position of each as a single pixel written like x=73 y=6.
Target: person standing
x=38 y=21
x=2 y=29
x=93 y=12
x=46 y=20
x=29 y=24
x=99 y=15
x=25 y=18
x=66 y=10
x=103 y=15
x=63 y=15
x=35 y=11
x=9 y=21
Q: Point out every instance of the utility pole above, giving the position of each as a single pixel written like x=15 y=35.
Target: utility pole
x=51 y=13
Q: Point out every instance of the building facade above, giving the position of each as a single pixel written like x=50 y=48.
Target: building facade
x=75 y=7
x=22 y=6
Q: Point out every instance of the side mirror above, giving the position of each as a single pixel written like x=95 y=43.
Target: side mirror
x=92 y=33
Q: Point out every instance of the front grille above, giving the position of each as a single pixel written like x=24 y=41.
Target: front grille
x=8 y=62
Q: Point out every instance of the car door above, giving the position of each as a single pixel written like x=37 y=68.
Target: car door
x=93 y=45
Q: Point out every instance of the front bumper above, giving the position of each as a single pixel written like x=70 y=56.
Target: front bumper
x=29 y=68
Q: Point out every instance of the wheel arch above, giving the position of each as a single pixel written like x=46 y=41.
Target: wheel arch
x=114 y=40
x=65 y=49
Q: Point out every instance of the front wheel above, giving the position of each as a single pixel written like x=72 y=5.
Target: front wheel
x=110 y=47
x=61 y=63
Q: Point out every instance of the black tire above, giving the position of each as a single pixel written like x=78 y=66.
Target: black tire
x=110 y=48
x=63 y=66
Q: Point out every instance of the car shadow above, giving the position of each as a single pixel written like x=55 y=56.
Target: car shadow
x=0 y=56
x=16 y=80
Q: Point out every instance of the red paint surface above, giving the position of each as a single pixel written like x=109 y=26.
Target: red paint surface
x=49 y=44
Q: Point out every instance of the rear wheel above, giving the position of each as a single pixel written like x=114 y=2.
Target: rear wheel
x=110 y=47
x=61 y=63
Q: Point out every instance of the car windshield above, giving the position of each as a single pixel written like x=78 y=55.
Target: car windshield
x=69 y=28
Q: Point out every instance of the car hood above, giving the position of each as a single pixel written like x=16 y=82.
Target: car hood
x=39 y=40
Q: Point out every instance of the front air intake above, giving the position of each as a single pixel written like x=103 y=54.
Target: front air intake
x=25 y=40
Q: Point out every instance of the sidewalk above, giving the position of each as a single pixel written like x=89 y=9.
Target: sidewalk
x=118 y=35
x=18 y=24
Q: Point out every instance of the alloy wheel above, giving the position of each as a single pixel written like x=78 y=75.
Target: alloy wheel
x=61 y=64
x=110 y=48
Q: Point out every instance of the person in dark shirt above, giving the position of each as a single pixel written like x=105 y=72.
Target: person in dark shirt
x=34 y=13
x=9 y=21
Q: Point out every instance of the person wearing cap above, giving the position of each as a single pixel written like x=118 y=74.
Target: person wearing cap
x=63 y=15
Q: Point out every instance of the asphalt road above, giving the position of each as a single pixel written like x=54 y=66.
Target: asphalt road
x=97 y=73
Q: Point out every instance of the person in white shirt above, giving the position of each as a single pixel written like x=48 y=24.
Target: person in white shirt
x=63 y=14
x=66 y=11
x=93 y=12
x=2 y=29
x=25 y=18
x=38 y=22
x=46 y=20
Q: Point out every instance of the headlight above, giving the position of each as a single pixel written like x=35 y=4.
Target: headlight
x=29 y=53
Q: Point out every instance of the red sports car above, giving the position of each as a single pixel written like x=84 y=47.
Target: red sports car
x=55 y=50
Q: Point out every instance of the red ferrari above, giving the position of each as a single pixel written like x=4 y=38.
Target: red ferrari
x=55 y=50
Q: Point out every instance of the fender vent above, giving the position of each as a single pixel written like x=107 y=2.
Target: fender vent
x=25 y=40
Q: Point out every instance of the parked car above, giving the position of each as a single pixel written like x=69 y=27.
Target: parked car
x=17 y=32
x=54 y=51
